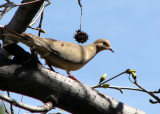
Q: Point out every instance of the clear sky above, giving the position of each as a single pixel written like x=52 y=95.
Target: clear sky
x=132 y=27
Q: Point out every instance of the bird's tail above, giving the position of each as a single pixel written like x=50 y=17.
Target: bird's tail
x=28 y=39
x=14 y=35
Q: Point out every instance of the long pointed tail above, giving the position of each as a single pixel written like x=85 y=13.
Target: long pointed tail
x=13 y=34
x=30 y=40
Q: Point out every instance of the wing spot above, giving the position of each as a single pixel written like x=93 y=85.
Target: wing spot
x=91 y=48
x=62 y=44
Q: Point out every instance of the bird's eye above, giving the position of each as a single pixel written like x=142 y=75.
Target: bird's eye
x=105 y=43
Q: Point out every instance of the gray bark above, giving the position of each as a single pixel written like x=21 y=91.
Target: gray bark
x=45 y=85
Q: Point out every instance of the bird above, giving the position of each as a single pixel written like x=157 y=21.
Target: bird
x=60 y=54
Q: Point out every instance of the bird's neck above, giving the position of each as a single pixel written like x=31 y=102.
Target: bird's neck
x=91 y=51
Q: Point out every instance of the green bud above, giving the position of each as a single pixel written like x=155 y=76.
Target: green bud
x=105 y=85
x=103 y=77
x=134 y=75
x=42 y=30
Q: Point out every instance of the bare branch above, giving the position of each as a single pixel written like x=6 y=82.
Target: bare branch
x=150 y=93
x=100 y=84
x=79 y=2
x=39 y=14
x=48 y=106
x=5 y=107
x=7 y=6
x=11 y=106
x=40 y=24
x=26 y=3
x=132 y=72
x=21 y=101
x=130 y=88
x=64 y=92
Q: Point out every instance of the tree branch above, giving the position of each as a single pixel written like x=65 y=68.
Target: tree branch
x=63 y=92
x=5 y=107
x=22 y=18
x=48 y=106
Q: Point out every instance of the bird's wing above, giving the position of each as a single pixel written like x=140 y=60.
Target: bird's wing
x=67 y=50
x=64 y=50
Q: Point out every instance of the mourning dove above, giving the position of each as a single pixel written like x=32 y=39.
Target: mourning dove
x=64 y=55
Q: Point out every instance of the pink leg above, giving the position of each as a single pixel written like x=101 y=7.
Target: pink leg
x=72 y=77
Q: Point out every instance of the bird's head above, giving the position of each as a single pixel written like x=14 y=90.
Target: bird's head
x=103 y=44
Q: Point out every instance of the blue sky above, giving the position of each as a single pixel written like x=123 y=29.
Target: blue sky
x=132 y=27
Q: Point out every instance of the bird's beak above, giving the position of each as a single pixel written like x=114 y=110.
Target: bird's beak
x=111 y=50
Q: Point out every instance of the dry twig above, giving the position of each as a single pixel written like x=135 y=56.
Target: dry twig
x=48 y=106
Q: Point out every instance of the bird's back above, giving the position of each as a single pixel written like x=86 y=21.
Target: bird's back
x=67 y=55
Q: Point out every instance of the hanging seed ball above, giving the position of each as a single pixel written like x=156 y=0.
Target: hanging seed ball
x=80 y=36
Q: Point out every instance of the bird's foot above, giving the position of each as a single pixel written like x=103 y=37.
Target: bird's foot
x=50 y=68
x=72 y=77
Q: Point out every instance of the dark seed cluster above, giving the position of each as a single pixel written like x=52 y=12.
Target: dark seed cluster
x=80 y=36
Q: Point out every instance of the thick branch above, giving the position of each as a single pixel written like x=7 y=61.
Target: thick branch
x=23 y=17
x=46 y=85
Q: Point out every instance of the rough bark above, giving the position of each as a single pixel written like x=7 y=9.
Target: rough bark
x=23 y=17
x=46 y=85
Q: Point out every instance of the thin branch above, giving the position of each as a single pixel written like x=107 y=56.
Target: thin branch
x=39 y=29
x=99 y=85
x=60 y=112
x=79 y=2
x=5 y=107
x=132 y=72
x=130 y=88
x=7 y=6
x=39 y=14
x=11 y=106
x=113 y=77
x=21 y=101
x=28 y=3
x=48 y=106
x=151 y=94
x=40 y=24
x=48 y=3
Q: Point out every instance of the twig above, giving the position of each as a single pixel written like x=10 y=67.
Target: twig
x=60 y=112
x=39 y=14
x=21 y=101
x=5 y=107
x=7 y=6
x=40 y=24
x=11 y=106
x=41 y=19
x=48 y=3
x=99 y=85
x=79 y=2
x=28 y=3
x=130 y=88
x=113 y=77
x=39 y=29
x=151 y=94
x=48 y=106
